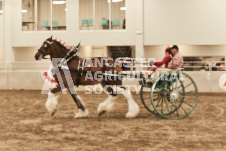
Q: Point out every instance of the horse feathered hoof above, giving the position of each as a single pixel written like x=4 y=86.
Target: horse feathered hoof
x=78 y=116
x=81 y=113
x=133 y=111
x=101 y=113
x=130 y=115
x=105 y=106
x=53 y=113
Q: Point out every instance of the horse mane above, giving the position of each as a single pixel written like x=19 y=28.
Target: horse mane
x=60 y=44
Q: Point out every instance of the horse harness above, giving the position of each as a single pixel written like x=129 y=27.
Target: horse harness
x=80 y=69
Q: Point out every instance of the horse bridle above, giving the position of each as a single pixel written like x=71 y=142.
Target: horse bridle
x=45 y=47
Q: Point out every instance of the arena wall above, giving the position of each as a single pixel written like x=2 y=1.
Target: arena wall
x=1 y=31
x=73 y=35
x=165 y=22
x=32 y=80
x=157 y=51
x=2 y=54
x=4 y=80
x=197 y=25
x=186 y=22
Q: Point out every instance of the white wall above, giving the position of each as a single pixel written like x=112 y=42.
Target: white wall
x=1 y=26
x=2 y=58
x=187 y=22
x=1 y=31
x=1 y=5
x=4 y=81
x=1 y=35
x=193 y=22
x=93 y=51
x=73 y=34
x=186 y=50
x=86 y=52
x=157 y=52
x=25 y=53
x=25 y=80
x=32 y=80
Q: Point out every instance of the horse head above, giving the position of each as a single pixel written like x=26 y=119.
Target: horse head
x=45 y=49
x=54 y=48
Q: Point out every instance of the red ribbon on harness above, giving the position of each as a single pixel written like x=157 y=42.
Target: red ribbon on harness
x=48 y=78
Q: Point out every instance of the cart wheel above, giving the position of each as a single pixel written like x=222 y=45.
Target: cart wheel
x=178 y=95
x=145 y=95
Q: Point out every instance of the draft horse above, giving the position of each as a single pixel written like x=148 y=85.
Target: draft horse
x=56 y=49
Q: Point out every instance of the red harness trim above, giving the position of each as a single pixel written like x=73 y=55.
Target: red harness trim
x=48 y=78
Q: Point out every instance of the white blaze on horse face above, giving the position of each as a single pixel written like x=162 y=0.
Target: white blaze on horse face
x=40 y=57
x=52 y=102
x=132 y=105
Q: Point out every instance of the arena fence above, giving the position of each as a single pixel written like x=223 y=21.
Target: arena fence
x=27 y=75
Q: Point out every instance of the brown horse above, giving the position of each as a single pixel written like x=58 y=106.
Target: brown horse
x=77 y=77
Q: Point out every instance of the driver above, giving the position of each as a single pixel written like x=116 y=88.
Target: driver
x=177 y=61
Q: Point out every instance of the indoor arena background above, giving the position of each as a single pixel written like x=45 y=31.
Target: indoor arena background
x=111 y=28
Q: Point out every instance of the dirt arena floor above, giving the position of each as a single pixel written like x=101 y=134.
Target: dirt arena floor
x=26 y=125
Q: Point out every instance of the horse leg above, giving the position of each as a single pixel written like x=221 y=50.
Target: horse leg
x=82 y=110
x=106 y=105
x=133 y=108
x=52 y=100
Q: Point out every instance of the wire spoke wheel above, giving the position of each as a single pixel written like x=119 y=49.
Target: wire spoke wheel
x=145 y=95
x=178 y=95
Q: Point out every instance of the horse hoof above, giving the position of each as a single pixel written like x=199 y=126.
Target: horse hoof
x=81 y=113
x=78 y=116
x=130 y=115
x=101 y=113
x=133 y=111
x=53 y=113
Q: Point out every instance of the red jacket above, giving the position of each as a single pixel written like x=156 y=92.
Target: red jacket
x=165 y=61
